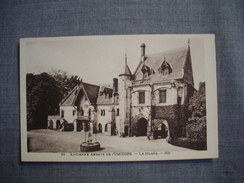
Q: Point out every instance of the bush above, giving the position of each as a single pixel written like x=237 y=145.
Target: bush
x=197 y=130
x=195 y=144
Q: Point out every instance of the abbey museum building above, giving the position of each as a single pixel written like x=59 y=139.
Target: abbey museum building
x=149 y=102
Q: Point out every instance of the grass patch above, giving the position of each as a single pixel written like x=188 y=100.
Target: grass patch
x=189 y=143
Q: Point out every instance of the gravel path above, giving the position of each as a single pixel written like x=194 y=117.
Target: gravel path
x=56 y=141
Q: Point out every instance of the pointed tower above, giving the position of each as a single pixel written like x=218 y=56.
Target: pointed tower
x=188 y=72
x=124 y=99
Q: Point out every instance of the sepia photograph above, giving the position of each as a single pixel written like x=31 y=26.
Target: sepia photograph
x=118 y=98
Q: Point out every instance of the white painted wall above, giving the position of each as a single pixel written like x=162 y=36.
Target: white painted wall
x=104 y=119
x=143 y=111
x=135 y=95
x=68 y=113
x=171 y=95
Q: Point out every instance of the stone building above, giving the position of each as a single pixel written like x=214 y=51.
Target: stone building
x=89 y=106
x=77 y=109
x=108 y=109
x=153 y=98
x=149 y=102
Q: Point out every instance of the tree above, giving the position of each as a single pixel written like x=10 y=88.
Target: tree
x=65 y=82
x=197 y=104
x=43 y=97
x=196 y=127
x=44 y=93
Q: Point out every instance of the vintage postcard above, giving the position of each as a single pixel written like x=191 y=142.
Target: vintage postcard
x=118 y=98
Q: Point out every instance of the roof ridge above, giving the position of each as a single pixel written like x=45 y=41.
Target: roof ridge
x=76 y=94
x=67 y=96
x=90 y=84
x=171 y=51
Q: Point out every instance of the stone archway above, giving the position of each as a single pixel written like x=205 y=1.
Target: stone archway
x=161 y=129
x=58 y=124
x=141 y=127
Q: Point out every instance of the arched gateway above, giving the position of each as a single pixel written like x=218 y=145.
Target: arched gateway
x=161 y=129
x=141 y=127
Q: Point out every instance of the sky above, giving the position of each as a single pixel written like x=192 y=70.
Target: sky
x=98 y=59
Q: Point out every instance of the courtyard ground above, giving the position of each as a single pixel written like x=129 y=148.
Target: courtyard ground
x=45 y=140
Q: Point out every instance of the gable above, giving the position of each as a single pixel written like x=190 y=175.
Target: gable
x=70 y=98
x=86 y=90
x=92 y=92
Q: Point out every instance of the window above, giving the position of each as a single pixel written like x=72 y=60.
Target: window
x=73 y=112
x=81 y=112
x=62 y=114
x=142 y=97
x=117 y=112
x=179 y=100
x=145 y=75
x=166 y=72
x=89 y=112
x=102 y=112
x=179 y=95
x=162 y=96
x=165 y=68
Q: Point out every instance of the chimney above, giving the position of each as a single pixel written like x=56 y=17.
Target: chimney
x=143 y=46
x=115 y=85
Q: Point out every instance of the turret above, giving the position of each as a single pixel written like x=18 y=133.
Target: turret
x=126 y=71
x=124 y=98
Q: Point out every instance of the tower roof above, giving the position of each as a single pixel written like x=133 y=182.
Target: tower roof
x=126 y=70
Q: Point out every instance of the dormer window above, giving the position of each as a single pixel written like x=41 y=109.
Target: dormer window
x=166 y=72
x=145 y=75
x=152 y=72
x=146 y=71
x=165 y=68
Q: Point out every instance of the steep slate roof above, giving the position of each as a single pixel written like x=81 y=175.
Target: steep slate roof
x=90 y=90
x=127 y=70
x=69 y=99
x=101 y=100
x=175 y=58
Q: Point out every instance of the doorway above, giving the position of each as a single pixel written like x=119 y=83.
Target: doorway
x=100 y=128
x=142 y=127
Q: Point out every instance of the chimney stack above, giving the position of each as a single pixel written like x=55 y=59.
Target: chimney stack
x=115 y=85
x=143 y=46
